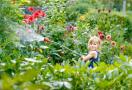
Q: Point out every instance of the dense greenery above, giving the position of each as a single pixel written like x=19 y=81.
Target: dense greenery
x=56 y=64
x=35 y=73
x=8 y=16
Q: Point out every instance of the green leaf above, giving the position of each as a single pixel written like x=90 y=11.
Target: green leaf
x=129 y=76
x=67 y=85
x=27 y=76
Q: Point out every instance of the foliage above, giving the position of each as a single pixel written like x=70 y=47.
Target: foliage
x=56 y=64
x=86 y=25
x=56 y=11
x=78 y=7
x=128 y=30
x=44 y=75
x=7 y=20
x=128 y=49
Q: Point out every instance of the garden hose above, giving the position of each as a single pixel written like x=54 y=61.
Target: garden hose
x=67 y=48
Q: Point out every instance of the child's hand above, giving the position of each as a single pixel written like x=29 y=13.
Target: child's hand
x=82 y=57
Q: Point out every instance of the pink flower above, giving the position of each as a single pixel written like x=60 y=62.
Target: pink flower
x=75 y=28
x=113 y=43
x=70 y=28
x=29 y=31
x=108 y=37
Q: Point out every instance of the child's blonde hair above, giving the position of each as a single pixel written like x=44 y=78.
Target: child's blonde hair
x=94 y=39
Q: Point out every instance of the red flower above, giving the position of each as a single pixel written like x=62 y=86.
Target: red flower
x=36 y=14
x=101 y=36
x=99 y=33
x=40 y=13
x=31 y=19
x=108 y=37
x=113 y=43
x=30 y=9
x=28 y=19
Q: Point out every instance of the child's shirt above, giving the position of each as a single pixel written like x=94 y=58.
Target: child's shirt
x=94 y=60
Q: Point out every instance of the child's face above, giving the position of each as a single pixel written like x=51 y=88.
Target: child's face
x=93 y=46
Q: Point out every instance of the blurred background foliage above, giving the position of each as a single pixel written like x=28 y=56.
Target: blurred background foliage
x=56 y=65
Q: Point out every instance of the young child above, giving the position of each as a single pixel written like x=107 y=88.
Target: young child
x=93 y=55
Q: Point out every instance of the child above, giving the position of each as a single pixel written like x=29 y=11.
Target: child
x=93 y=55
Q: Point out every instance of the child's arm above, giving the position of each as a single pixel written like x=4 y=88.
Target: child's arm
x=90 y=55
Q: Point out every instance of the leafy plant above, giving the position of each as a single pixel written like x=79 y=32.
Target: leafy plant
x=7 y=20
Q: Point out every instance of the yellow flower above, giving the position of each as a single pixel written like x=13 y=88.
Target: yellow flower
x=82 y=17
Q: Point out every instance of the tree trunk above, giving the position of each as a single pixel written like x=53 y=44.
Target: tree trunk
x=124 y=7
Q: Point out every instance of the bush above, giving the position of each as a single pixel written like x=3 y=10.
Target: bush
x=42 y=75
x=7 y=20
x=80 y=7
